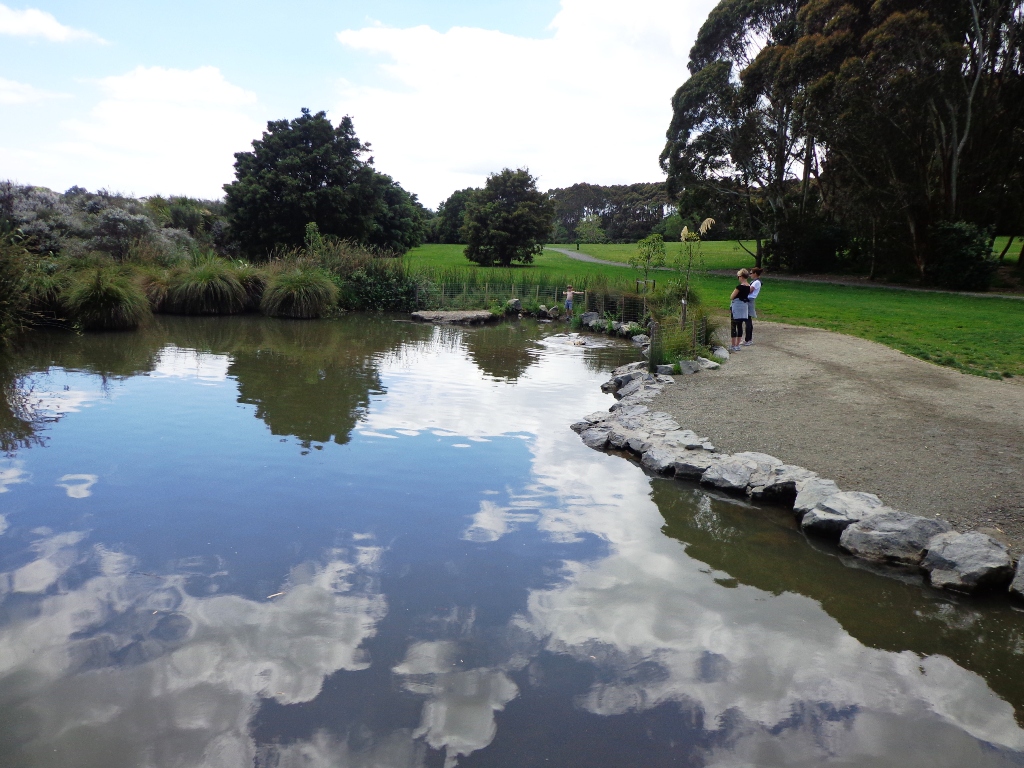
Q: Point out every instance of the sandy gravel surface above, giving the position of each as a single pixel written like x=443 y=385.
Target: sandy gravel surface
x=926 y=439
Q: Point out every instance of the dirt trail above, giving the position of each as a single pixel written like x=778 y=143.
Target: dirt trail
x=926 y=439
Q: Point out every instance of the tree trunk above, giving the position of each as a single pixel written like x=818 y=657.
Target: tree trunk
x=1006 y=249
x=759 y=254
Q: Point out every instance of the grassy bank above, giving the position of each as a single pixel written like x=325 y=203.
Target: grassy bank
x=975 y=335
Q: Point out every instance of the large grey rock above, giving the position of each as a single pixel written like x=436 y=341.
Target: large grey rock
x=779 y=483
x=595 y=437
x=729 y=473
x=638 y=444
x=891 y=537
x=687 y=367
x=617 y=439
x=967 y=562
x=640 y=365
x=692 y=466
x=514 y=305
x=811 y=492
x=1017 y=585
x=708 y=365
x=720 y=352
x=658 y=460
x=554 y=312
x=631 y=388
x=666 y=369
x=833 y=515
x=641 y=338
x=684 y=438
x=587 y=317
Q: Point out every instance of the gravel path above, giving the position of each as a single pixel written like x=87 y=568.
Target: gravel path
x=926 y=439
x=580 y=256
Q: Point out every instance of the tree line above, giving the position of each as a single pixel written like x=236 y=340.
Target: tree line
x=883 y=136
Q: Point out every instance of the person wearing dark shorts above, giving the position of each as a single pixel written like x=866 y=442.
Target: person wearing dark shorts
x=738 y=309
x=755 y=289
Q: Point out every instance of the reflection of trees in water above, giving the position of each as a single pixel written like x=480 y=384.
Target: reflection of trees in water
x=502 y=351
x=310 y=380
x=18 y=426
x=761 y=549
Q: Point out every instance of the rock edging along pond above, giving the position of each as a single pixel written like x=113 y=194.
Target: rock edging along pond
x=860 y=523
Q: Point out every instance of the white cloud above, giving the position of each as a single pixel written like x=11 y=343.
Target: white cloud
x=32 y=22
x=12 y=92
x=589 y=103
x=161 y=130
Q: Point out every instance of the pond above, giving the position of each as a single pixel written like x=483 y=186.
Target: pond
x=364 y=542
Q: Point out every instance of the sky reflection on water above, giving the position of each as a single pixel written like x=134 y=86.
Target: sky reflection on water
x=371 y=543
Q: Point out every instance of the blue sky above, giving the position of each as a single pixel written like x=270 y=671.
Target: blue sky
x=153 y=98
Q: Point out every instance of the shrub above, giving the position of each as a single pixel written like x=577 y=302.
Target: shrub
x=208 y=287
x=13 y=299
x=116 y=230
x=254 y=281
x=961 y=257
x=299 y=293
x=105 y=300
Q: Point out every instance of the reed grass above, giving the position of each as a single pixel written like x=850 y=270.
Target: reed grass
x=301 y=293
x=209 y=286
x=106 y=299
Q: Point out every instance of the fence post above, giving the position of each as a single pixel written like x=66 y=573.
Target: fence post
x=654 y=352
x=487 y=295
x=537 y=294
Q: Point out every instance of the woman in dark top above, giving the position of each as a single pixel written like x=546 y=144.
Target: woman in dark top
x=738 y=308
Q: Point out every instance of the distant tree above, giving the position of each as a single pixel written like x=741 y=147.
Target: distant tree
x=650 y=254
x=307 y=170
x=589 y=230
x=450 y=217
x=508 y=220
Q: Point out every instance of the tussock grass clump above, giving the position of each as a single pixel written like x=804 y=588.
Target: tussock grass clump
x=13 y=300
x=299 y=293
x=208 y=287
x=254 y=281
x=106 y=300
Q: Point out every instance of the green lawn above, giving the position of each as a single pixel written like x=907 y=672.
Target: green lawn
x=977 y=335
x=1012 y=254
x=972 y=334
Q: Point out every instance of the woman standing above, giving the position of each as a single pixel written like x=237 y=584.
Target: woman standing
x=738 y=309
x=755 y=288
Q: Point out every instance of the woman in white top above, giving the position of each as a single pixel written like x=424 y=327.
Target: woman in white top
x=755 y=288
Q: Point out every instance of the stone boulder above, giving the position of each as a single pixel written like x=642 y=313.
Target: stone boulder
x=1017 y=585
x=513 y=305
x=692 y=466
x=811 y=492
x=684 y=438
x=833 y=515
x=729 y=473
x=779 y=483
x=554 y=313
x=640 y=365
x=708 y=365
x=720 y=352
x=595 y=437
x=641 y=339
x=687 y=367
x=658 y=460
x=967 y=562
x=892 y=537
x=588 y=317
x=665 y=369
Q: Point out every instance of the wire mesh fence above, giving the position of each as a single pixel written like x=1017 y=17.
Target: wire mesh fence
x=672 y=342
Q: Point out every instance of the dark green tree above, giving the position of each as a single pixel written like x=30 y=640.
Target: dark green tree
x=307 y=170
x=508 y=221
x=450 y=217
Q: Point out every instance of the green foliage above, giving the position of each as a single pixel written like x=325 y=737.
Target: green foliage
x=302 y=293
x=961 y=257
x=450 y=217
x=13 y=297
x=650 y=254
x=508 y=221
x=209 y=286
x=589 y=230
x=625 y=213
x=306 y=170
x=105 y=299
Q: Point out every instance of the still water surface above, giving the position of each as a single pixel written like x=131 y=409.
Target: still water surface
x=243 y=542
